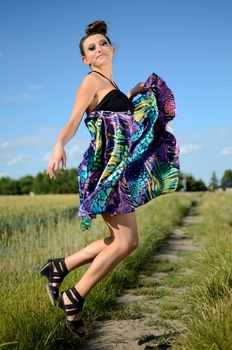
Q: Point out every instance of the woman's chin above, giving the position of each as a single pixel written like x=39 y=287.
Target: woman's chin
x=103 y=61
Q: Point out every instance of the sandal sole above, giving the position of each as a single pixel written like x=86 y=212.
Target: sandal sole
x=60 y=305
x=50 y=295
x=76 y=334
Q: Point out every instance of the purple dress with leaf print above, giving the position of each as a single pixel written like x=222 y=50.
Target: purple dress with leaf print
x=133 y=157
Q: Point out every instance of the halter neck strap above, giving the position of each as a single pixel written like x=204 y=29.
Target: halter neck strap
x=112 y=82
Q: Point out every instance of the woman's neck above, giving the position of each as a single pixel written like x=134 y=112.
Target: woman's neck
x=105 y=70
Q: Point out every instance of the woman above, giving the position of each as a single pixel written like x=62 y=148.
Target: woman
x=131 y=159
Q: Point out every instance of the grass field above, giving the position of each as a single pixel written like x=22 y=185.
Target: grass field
x=34 y=229
x=209 y=318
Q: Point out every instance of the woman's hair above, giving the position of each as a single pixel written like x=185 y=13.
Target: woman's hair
x=97 y=27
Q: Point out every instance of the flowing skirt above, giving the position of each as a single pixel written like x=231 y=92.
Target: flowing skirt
x=132 y=158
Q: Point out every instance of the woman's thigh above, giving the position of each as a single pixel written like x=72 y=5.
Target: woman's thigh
x=122 y=226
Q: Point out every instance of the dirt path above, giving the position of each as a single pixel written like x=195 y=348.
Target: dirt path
x=148 y=317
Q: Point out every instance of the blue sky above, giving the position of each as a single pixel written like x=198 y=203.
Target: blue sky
x=187 y=43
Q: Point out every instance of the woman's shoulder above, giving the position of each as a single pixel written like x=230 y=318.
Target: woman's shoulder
x=90 y=79
x=89 y=82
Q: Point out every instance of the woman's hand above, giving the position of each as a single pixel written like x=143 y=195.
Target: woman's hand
x=58 y=156
x=138 y=89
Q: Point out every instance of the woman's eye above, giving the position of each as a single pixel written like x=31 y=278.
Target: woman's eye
x=92 y=47
x=103 y=43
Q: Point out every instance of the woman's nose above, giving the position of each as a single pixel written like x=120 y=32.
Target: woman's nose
x=99 y=48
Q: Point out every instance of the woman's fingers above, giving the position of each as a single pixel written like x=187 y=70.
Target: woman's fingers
x=140 y=87
x=56 y=165
x=59 y=156
x=52 y=168
x=50 y=171
x=64 y=161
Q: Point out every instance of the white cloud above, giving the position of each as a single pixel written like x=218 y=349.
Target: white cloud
x=224 y=131
x=23 y=96
x=227 y=151
x=34 y=87
x=4 y=145
x=9 y=156
x=17 y=150
x=44 y=136
x=185 y=149
x=47 y=156
x=73 y=152
x=20 y=158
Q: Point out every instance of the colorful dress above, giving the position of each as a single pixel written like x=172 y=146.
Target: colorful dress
x=132 y=157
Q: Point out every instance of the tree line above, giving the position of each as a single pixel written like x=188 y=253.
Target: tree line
x=40 y=184
x=67 y=183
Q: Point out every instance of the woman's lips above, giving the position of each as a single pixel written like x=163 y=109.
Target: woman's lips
x=100 y=55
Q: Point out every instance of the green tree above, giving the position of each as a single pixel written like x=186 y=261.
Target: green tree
x=26 y=184
x=9 y=186
x=180 y=185
x=42 y=185
x=194 y=185
x=214 y=182
x=227 y=176
x=66 y=182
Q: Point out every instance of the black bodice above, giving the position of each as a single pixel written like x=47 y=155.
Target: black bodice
x=115 y=101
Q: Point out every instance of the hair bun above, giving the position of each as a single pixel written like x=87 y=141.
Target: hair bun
x=96 y=27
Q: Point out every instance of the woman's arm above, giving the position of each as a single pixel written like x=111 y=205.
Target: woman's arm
x=138 y=89
x=84 y=97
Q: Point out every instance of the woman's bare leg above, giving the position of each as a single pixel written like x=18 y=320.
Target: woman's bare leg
x=125 y=241
x=87 y=254
x=84 y=255
x=124 y=235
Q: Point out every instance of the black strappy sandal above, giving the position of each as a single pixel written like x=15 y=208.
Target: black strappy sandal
x=74 y=308
x=54 y=276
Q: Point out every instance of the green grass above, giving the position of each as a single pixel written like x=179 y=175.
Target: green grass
x=161 y=324
x=29 y=321
x=132 y=311
x=209 y=318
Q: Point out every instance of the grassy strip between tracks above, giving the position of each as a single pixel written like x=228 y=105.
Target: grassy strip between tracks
x=29 y=321
x=209 y=317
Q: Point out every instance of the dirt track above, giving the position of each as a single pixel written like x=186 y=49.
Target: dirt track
x=150 y=314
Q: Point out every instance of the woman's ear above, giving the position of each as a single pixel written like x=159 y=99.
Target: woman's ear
x=84 y=60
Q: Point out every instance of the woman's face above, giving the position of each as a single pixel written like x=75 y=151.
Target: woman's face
x=98 y=51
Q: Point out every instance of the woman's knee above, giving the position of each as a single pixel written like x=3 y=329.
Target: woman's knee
x=123 y=230
x=127 y=245
x=135 y=243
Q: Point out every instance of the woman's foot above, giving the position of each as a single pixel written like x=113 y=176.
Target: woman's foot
x=71 y=302
x=55 y=270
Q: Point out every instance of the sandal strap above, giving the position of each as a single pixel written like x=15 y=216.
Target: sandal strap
x=63 y=265
x=60 y=266
x=55 y=277
x=77 y=295
x=62 y=271
x=73 y=312
x=75 y=303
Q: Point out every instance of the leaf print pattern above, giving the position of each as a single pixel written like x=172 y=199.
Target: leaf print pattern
x=132 y=158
